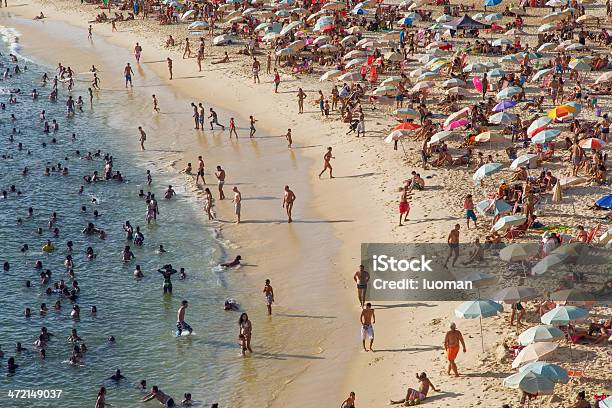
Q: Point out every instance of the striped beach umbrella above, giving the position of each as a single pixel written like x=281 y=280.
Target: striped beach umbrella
x=563 y=315
x=533 y=352
x=530 y=382
x=540 y=333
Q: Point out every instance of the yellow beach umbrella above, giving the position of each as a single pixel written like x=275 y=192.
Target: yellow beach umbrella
x=561 y=111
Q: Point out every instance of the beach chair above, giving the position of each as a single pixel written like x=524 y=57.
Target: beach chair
x=518 y=231
x=593 y=233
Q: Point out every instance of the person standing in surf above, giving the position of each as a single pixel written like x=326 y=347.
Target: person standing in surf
x=167 y=273
x=180 y=319
x=137 y=52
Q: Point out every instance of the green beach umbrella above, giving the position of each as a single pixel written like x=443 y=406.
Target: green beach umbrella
x=551 y=371
x=477 y=309
x=563 y=315
x=544 y=136
x=491 y=209
x=530 y=382
x=508 y=221
x=539 y=334
x=486 y=170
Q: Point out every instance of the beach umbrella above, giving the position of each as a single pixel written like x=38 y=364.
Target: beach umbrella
x=538 y=125
x=394 y=56
x=355 y=62
x=530 y=55
x=427 y=75
x=546 y=135
x=350 y=76
x=509 y=59
x=577 y=47
x=187 y=14
x=519 y=251
x=493 y=208
x=358 y=10
x=282 y=13
x=249 y=11
x=547 y=47
x=501 y=41
x=439 y=137
x=444 y=18
x=355 y=30
x=486 y=137
x=457 y=124
x=508 y=92
x=457 y=91
x=270 y=36
x=539 y=334
x=462 y=113
x=572 y=181
x=605 y=77
x=404 y=21
x=331 y=74
x=197 y=24
x=533 y=352
x=407 y=126
x=560 y=111
x=406 y=113
x=285 y=52
x=491 y=3
x=392 y=80
x=421 y=86
x=563 y=315
x=494 y=17
x=514 y=294
x=504 y=105
x=605 y=238
x=524 y=160
x=540 y=74
x=384 y=90
x=290 y=27
x=477 y=309
x=395 y=135
x=547 y=27
x=530 y=382
x=557 y=195
x=299 y=11
x=502 y=118
x=607 y=403
x=297 y=45
x=508 y=221
x=515 y=32
x=478 y=16
x=354 y=54
x=548 y=262
x=573 y=297
x=582 y=66
x=328 y=48
x=556 y=3
x=551 y=17
x=237 y=19
x=453 y=82
x=592 y=143
x=334 y=5
x=349 y=39
x=224 y=39
x=486 y=170
x=496 y=73
x=604 y=202
x=475 y=67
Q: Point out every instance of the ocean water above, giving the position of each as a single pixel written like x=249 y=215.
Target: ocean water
x=136 y=312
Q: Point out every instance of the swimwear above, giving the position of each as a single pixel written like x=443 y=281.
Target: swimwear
x=367 y=330
x=453 y=245
x=180 y=326
x=269 y=299
x=404 y=207
x=362 y=286
x=470 y=214
x=128 y=77
x=451 y=352
x=415 y=394
x=170 y=403
x=237 y=208
x=577 y=161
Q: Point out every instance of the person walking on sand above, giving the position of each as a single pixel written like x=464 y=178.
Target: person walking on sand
x=155 y=104
x=289 y=138
x=326 y=163
x=127 y=72
x=169 y=61
x=301 y=95
x=187 y=51
x=269 y=294
x=220 y=174
x=453 y=245
x=90 y=33
x=237 y=203
x=361 y=278
x=288 y=200
x=252 y=129
x=367 y=329
x=404 y=206
x=200 y=172
x=276 y=80
x=214 y=119
x=137 y=52
x=232 y=128
x=452 y=341
x=468 y=206
x=143 y=137
x=256 y=67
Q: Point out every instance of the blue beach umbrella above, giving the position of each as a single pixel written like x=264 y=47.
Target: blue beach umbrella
x=551 y=371
x=607 y=403
x=545 y=136
x=605 y=202
x=508 y=92
x=407 y=21
x=563 y=315
x=530 y=382
x=494 y=17
x=487 y=170
x=491 y=3
x=507 y=221
x=539 y=334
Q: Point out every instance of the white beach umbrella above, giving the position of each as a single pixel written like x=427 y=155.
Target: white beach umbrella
x=439 y=137
x=290 y=27
x=453 y=82
x=328 y=48
x=350 y=76
x=549 y=46
x=321 y=40
x=187 y=14
x=197 y=25
x=508 y=221
x=526 y=159
x=349 y=39
x=354 y=54
x=502 y=118
x=355 y=62
x=224 y=39
x=331 y=74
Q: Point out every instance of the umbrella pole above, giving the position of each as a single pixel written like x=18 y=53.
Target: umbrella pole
x=481 y=337
x=403 y=149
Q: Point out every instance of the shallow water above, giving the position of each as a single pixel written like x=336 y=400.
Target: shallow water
x=135 y=312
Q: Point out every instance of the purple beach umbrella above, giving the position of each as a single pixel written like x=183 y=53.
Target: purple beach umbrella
x=504 y=105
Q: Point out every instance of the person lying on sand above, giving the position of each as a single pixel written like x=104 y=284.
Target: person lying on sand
x=222 y=60
x=40 y=17
x=421 y=393
x=235 y=262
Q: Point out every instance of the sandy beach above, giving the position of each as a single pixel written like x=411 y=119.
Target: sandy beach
x=314 y=331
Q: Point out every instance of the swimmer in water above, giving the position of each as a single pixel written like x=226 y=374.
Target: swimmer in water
x=180 y=319
x=233 y=263
x=167 y=273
